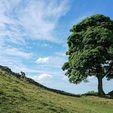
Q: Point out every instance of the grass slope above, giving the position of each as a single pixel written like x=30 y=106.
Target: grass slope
x=20 y=96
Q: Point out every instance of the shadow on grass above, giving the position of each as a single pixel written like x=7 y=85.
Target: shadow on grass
x=106 y=96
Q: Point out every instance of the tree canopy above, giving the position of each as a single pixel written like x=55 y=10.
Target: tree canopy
x=90 y=50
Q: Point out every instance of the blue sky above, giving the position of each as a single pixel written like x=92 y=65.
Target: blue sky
x=33 y=35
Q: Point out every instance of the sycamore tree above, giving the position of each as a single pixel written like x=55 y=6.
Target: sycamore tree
x=90 y=51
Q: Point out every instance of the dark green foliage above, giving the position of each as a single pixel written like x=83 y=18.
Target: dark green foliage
x=91 y=93
x=90 y=50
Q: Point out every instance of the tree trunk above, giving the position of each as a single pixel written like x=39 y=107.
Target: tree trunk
x=100 y=86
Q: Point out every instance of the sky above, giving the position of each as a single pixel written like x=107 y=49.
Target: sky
x=33 y=38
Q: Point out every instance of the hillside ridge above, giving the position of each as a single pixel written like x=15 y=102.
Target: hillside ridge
x=24 y=95
x=30 y=80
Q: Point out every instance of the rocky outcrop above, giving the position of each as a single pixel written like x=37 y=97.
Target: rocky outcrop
x=20 y=75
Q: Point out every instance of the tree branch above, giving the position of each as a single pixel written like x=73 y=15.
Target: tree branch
x=109 y=69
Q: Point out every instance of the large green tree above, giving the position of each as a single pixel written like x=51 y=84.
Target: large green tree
x=90 y=50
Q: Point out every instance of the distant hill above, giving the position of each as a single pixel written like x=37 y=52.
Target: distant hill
x=23 y=95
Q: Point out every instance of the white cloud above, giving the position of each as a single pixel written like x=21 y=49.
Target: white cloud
x=42 y=77
x=42 y=60
x=8 y=51
x=18 y=65
x=23 y=20
x=13 y=63
x=35 y=19
x=55 y=61
x=40 y=17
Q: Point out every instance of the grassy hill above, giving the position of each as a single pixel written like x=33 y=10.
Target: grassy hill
x=23 y=95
